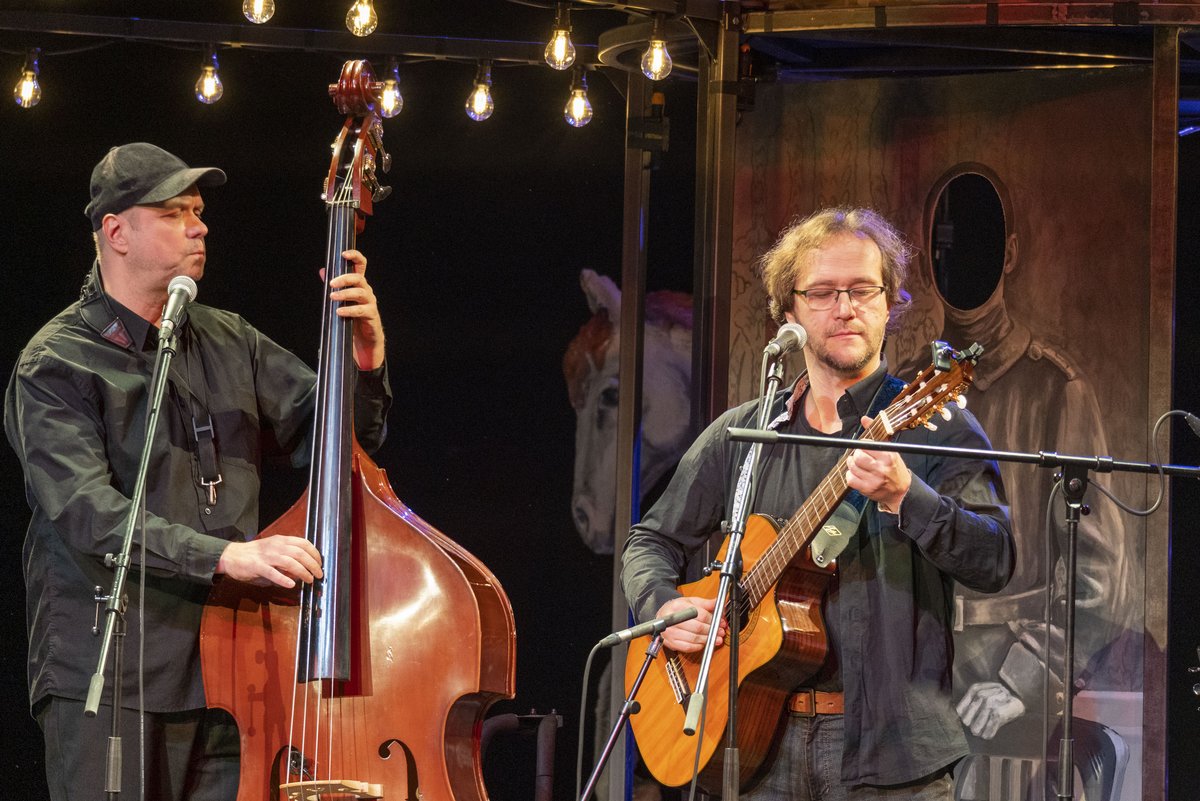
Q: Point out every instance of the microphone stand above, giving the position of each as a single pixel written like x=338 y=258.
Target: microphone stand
x=1075 y=482
x=115 y=601
x=729 y=586
x=628 y=709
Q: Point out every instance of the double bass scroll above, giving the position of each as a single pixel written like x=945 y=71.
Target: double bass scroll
x=372 y=683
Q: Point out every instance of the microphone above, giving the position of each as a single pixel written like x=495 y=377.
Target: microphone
x=1193 y=422
x=653 y=627
x=791 y=336
x=180 y=292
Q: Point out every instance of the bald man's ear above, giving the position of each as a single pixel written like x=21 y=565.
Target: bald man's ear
x=113 y=233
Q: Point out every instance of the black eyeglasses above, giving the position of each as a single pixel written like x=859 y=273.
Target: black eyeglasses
x=825 y=299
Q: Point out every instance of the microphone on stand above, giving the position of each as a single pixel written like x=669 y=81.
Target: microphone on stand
x=791 y=336
x=180 y=292
x=655 y=626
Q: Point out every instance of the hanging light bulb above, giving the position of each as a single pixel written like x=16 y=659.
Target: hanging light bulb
x=391 y=102
x=208 y=86
x=361 y=19
x=28 y=91
x=560 y=51
x=258 y=11
x=479 y=103
x=656 y=61
x=578 y=111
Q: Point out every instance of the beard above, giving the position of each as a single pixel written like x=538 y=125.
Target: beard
x=849 y=363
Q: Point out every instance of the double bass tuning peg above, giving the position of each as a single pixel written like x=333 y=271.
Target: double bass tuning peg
x=384 y=157
x=371 y=181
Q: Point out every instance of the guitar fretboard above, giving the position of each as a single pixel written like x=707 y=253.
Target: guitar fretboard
x=803 y=525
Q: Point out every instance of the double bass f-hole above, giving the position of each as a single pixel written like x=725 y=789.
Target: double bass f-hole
x=371 y=683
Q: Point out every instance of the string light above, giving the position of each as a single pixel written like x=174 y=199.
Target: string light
x=560 y=51
x=258 y=11
x=479 y=103
x=578 y=111
x=208 y=86
x=361 y=19
x=391 y=102
x=28 y=92
x=656 y=61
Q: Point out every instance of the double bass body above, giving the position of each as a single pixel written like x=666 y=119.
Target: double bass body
x=424 y=638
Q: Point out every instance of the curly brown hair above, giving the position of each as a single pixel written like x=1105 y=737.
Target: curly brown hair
x=781 y=264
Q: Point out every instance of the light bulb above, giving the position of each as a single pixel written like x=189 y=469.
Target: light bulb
x=258 y=11
x=361 y=19
x=656 y=61
x=560 y=50
x=28 y=92
x=578 y=111
x=391 y=102
x=479 y=103
x=208 y=86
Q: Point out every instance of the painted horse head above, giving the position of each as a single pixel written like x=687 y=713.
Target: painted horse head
x=590 y=367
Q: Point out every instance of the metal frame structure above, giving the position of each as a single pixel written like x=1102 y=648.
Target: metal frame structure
x=855 y=38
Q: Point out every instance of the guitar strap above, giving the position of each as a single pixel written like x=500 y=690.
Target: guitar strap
x=834 y=536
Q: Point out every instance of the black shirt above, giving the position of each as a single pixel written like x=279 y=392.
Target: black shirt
x=75 y=414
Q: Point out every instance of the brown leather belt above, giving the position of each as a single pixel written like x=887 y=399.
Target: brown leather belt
x=809 y=703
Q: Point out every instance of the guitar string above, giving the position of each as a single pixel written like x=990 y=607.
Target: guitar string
x=765 y=574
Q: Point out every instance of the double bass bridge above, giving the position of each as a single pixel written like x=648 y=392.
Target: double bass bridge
x=331 y=790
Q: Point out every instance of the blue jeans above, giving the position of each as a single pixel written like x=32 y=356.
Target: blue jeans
x=809 y=768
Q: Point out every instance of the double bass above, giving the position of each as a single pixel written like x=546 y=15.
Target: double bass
x=372 y=682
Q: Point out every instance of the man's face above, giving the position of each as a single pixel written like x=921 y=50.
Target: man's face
x=847 y=338
x=167 y=239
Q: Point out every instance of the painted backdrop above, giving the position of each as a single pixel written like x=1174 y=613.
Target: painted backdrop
x=1056 y=292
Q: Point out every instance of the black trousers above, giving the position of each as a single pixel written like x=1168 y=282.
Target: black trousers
x=190 y=756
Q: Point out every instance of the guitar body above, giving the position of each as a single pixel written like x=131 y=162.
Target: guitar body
x=782 y=644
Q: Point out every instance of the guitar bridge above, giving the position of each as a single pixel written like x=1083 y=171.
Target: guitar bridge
x=676 y=678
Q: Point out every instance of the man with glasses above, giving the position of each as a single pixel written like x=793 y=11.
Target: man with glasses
x=877 y=720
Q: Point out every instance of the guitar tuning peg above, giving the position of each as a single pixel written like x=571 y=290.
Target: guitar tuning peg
x=961 y=400
x=930 y=425
x=945 y=413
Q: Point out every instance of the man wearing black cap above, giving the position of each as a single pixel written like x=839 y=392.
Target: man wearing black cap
x=75 y=412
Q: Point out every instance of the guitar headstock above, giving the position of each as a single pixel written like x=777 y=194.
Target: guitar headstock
x=358 y=152
x=944 y=381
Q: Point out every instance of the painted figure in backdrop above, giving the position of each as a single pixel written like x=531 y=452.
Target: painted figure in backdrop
x=74 y=413
x=590 y=367
x=1030 y=395
x=877 y=719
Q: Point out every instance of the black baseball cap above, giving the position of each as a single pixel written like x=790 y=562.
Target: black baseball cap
x=139 y=174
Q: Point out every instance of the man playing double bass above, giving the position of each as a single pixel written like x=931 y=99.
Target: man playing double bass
x=74 y=413
x=877 y=720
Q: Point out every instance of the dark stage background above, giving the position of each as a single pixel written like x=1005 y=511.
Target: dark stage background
x=475 y=259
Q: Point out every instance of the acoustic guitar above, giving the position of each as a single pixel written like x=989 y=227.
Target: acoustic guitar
x=782 y=636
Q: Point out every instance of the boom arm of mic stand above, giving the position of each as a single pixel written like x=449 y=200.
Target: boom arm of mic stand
x=629 y=708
